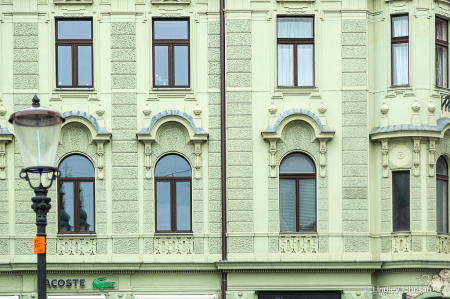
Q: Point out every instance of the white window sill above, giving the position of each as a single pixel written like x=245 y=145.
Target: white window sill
x=159 y=88
x=76 y=235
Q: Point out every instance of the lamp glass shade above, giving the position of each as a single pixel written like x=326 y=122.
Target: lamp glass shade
x=38 y=136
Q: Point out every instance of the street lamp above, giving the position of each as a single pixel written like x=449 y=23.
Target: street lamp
x=37 y=129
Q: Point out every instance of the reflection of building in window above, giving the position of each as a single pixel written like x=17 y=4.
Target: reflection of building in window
x=76 y=195
x=442 y=196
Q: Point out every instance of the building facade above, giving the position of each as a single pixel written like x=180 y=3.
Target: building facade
x=334 y=145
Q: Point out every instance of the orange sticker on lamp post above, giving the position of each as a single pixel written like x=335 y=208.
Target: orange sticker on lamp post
x=39 y=244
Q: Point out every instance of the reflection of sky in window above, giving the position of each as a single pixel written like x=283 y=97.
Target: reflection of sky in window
x=87 y=202
x=76 y=166
x=173 y=166
x=297 y=163
x=183 y=205
x=163 y=206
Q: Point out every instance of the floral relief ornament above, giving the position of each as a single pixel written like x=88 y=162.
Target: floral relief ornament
x=2 y=111
x=439 y=283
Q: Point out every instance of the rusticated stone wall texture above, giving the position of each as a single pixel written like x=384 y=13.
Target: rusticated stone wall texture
x=26 y=56
x=124 y=163
x=123 y=55
x=214 y=171
x=354 y=132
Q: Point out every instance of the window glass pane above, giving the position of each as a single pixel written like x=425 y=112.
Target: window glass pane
x=171 y=29
x=441 y=66
x=307 y=207
x=441 y=166
x=287 y=206
x=66 y=206
x=163 y=219
x=173 y=166
x=74 y=29
x=64 y=65
x=295 y=28
x=181 y=65
x=401 y=204
x=285 y=65
x=183 y=205
x=76 y=166
x=400 y=64
x=441 y=30
x=399 y=26
x=305 y=64
x=87 y=206
x=442 y=206
x=84 y=65
x=161 y=65
x=297 y=163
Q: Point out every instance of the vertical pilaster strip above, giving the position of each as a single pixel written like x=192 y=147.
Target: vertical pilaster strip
x=355 y=134
x=124 y=128
x=239 y=134
x=214 y=171
x=416 y=203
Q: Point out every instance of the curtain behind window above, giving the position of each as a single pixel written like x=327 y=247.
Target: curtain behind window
x=400 y=64
x=285 y=65
x=287 y=206
x=307 y=207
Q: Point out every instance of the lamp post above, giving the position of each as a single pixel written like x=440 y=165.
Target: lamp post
x=37 y=129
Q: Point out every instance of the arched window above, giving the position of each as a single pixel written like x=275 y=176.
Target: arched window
x=297 y=194
x=442 y=195
x=76 y=190
x=173 y=195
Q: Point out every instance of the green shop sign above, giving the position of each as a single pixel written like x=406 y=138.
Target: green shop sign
x=79 y=283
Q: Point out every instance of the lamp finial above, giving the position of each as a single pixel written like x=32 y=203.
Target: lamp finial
x=36 y=101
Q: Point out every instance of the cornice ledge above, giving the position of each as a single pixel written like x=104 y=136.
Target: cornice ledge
x=369 y=265
x=72 y=1
x=408 y=130
x=415 y=265
x=5 y=134
x=90 y=118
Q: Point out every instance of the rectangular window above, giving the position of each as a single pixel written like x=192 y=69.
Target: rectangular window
x=74 y=60
x=171 y=53
x=441 y=53
x=295 y=46
x=401 y=201
x=400 y=49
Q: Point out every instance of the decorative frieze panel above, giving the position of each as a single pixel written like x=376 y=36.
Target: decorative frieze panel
x=443 y=244
x=298 y=244
x=76 y=246
x=400 y=244
x=174 y=245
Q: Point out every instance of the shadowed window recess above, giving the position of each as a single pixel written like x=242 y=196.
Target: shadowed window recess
x=74 y=53
x=171 y=53
x=297 y=194
x=401 y=201
x=76 y=195
x=295 y=46
x=442 y=196
x=173 y=195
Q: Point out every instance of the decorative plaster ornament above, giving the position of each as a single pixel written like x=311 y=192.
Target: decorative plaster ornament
x=384 y=121
x=197 y=110
x=439 y=283
x=415 y=107
x=322 y=108
x=400 y=155
x=100 y=111
x=431 y=116
x=147 y=111
x=272 y=109
x=384 y=109
x=2 y=111
x=415 y=120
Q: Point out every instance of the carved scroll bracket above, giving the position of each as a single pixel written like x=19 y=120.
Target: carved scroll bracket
x=4 y=139
x=197 y=152
x=431 y=152
x=323 y=151
x=416 y=156
x=273 y=157
x=385 y=152
x=100 y=161
x=148 y=158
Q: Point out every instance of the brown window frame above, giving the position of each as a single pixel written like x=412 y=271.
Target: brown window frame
x=398 y=40
x=441 y=177
x=74 y=43
x=393 y=199
x=297 y=177
x=443 y=44
x=171 y=43
x=76 y=201
x=173 y=203
x=294 y=42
